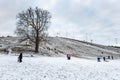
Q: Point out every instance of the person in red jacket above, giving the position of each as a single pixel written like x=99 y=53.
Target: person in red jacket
x=68 y=56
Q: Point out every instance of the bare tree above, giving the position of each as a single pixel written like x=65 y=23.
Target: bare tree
x=32 y=24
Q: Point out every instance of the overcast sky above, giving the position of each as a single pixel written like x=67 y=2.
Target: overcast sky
x=96 y=20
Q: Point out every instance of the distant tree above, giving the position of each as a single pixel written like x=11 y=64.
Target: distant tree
x=32 y=24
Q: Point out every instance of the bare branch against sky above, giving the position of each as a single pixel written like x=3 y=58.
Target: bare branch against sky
x=99 y=19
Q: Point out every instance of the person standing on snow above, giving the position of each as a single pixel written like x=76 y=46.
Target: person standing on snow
x=98 y=59
x=112 y=57
x=104 y=59
x=68 y=56
x=20 y=58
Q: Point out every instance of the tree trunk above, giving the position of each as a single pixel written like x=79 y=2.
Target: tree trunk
x=37 y=44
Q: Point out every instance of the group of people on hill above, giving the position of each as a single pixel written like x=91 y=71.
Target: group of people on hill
x=69 y=57
x=104 y=58
x=21 y=56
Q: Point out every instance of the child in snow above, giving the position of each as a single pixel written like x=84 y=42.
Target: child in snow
x=20 y=58
x=98 y=59
x=68 y=56
x=112 y=57
x=104 y=59
x=108 y=57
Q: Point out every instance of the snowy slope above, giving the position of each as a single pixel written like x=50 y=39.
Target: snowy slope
x=57 y=68
x=58 y=46
x=77 y=48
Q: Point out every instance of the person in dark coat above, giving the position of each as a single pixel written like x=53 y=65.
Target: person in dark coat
x=20 y=58
x=104 y=59
x=98 y=59
x=112 y=57
x=108 y=57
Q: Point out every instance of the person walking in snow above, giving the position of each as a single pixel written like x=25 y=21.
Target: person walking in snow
x=98 y=59
x=20 y=58
x=112 y=57
x=104 y=59
x=108 y=57
x=68 y=56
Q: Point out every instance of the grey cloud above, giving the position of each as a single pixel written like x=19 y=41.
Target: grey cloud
x=8 y=12
x=98 y=18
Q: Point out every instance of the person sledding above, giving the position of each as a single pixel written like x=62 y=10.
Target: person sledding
x=20 y=58
x=68 y=56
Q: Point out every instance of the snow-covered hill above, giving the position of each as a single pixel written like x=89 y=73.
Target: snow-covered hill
x=59 y=46
x=82 y=66
x=57 y=68
x=78 y=48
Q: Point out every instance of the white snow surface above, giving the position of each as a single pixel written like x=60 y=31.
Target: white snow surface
x=57 y=68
